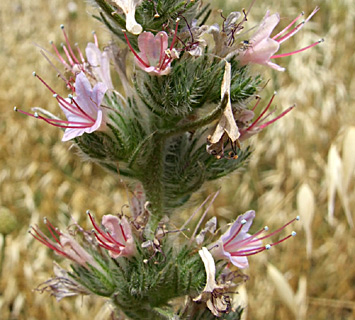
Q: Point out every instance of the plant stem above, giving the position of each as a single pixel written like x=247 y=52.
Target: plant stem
x=215 y=114
x=152 y=173
x=2 y=254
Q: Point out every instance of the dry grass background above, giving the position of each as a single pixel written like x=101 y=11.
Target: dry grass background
x=290 y=172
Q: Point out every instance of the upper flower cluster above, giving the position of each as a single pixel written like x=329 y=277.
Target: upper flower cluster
x=90 y=80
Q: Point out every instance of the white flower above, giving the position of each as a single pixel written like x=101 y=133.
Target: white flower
x=129 y=9
x=212 y=294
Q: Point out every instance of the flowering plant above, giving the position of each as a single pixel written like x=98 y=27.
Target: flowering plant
x=183 y=120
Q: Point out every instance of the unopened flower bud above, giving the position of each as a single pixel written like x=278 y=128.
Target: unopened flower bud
x=8 y=222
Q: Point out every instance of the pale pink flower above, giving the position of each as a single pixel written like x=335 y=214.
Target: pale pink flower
x=64 y=245
x=116 y=237
x=262 y=47
x=155 y=57
x=96 y=66
x=236 y=244
x=84 y=112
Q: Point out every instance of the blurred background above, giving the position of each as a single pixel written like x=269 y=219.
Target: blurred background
x=302 y=165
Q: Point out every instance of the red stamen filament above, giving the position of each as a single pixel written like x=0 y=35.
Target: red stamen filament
x=277 y=118
x=175 y=33
x=82 y=58
x=162 y=53
x=41 y=237
x=95 y=39
x=51 y=228
x=256 y=104
x=135 y=54
x=262 y=114
x=106 y=236
x=291 y=33
x=69 y=47
x=297 y=51
x=68 y=55
x=278 y=230
x=252 y=251
x=235 y=234
x=288 y=27
x=106 y=246
x=69 y=124
x=65 y=104
x=123 y=234
x=60 y=57
x=166 y=57
x=296 y=29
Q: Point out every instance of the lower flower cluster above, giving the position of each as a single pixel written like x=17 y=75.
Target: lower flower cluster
x=107 y=257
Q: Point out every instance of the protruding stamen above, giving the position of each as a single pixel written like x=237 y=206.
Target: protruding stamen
x=234 y=235
x=95 y=39
x=288 y=27
x=106 y=236
x=254 y=239
x=68 y=55
x=73 y=108
x=135 y=54
x=256 y=104
x=278 y=117
x=175 y=34
x=262 y=114
x=297 y=51
x=278 y=230
x=298 y=27
x=69 y=46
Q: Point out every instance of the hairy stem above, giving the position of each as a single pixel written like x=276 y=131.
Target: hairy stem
x=213 y=115
x=152 y=173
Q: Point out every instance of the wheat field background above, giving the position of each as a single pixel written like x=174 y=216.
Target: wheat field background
x=303 y=164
